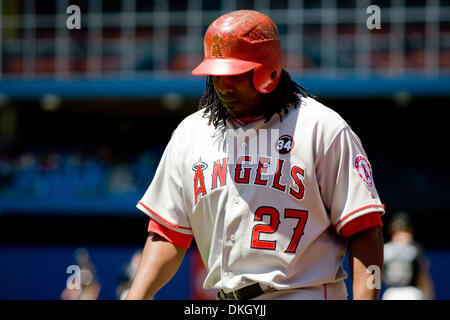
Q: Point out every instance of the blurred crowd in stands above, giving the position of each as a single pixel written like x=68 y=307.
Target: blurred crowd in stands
x=76 y=175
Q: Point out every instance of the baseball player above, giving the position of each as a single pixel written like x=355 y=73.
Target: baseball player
x=272 y=185
x=406 y=268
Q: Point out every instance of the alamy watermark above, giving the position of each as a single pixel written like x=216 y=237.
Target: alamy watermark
x=374 y=280
x=78 y=277
x=73 y=21
x=254 y=144
x=374 y=20
x=74 y=280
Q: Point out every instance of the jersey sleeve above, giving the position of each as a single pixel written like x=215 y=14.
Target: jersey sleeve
x=163 y=201
x=363 y=222
x=347 y=185
x=180 y=239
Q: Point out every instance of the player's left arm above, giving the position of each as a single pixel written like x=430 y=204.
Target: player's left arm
x=365 y=250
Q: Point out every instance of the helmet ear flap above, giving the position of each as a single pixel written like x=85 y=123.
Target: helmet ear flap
x=267 y=75
x=266 y=79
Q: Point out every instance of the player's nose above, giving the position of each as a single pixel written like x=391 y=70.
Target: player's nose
x=224 y=85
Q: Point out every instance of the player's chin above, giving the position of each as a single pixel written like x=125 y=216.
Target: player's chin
x=234 y=110
x=235 y=115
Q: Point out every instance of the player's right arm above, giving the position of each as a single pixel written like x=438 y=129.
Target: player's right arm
x=159 y=263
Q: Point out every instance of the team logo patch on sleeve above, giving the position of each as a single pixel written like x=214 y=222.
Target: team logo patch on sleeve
x=284 y=144
x=364 y=170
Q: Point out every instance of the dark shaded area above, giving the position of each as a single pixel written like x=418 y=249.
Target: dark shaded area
x=72 y=230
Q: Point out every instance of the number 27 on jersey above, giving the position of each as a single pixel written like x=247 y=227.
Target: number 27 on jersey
x=272 y=227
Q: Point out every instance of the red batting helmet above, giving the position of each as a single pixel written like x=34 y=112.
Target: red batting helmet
x=240 y=41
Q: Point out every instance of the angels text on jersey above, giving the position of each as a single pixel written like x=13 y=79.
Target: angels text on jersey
x=250 y=162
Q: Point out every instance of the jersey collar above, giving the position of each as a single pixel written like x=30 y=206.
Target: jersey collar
x=246 y=120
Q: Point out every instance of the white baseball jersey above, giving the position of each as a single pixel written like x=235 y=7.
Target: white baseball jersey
x=273 y=215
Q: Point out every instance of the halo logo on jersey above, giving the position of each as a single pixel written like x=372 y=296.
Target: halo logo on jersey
x=203 y=165
x=364 y=170
x=284 y=144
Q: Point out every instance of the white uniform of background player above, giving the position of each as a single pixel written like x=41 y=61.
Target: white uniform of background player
x=278 y=216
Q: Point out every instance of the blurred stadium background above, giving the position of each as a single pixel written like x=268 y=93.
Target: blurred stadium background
x=85 y=115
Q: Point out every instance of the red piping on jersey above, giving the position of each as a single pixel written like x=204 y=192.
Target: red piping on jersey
x=180 y=239
x=325 y=291
x=363 y=222
x=357 y=210
x=162 y=219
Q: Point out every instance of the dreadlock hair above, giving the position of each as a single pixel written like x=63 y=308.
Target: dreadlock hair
x=286 y=95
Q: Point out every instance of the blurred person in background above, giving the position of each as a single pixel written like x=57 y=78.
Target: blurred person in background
x=89 y=287
x=128 y=275
x=406 y=272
